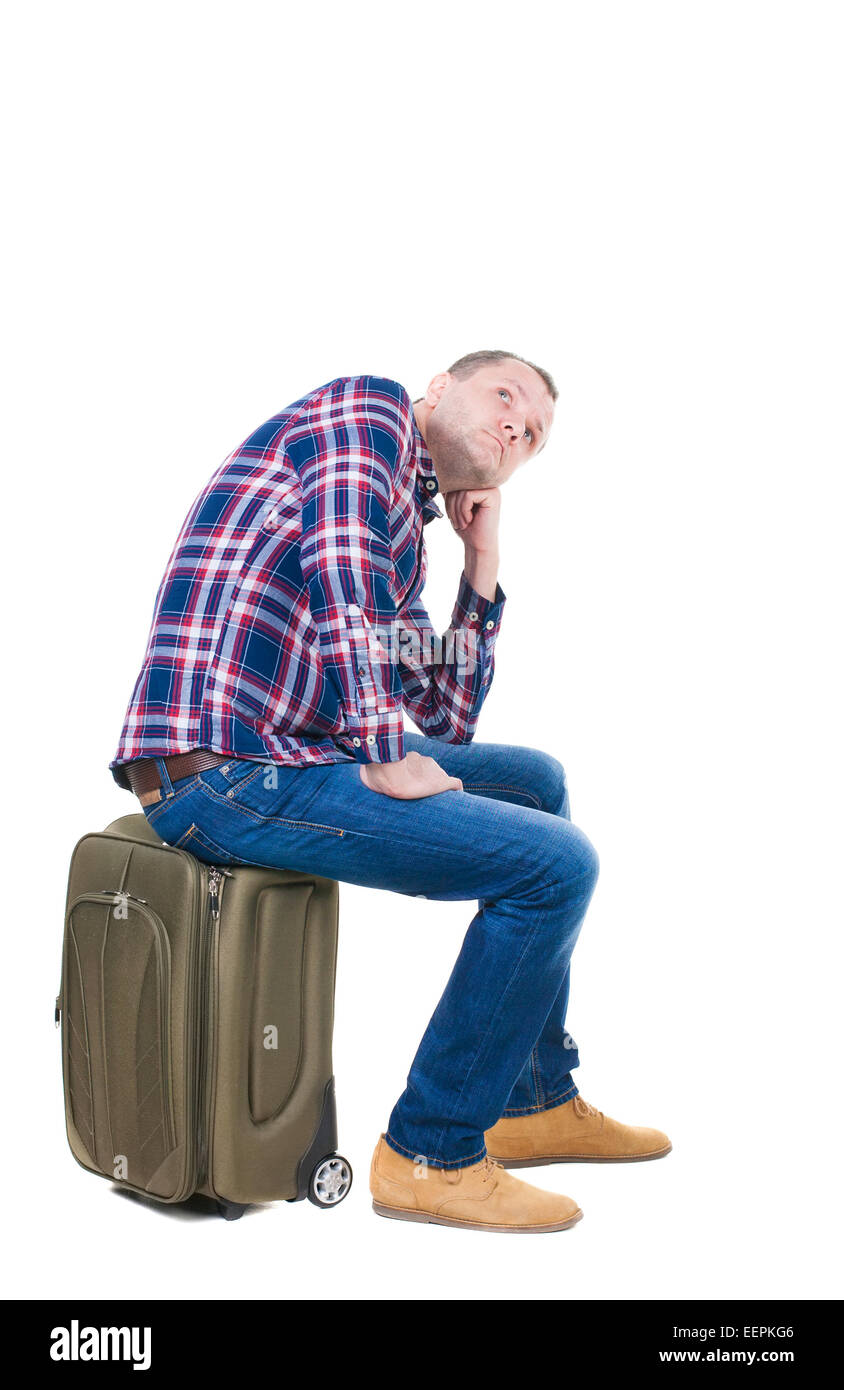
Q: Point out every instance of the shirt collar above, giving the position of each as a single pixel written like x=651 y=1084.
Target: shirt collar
x=427 y=483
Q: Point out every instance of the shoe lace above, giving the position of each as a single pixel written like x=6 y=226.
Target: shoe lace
x=582 y=1107
x=488 y=1167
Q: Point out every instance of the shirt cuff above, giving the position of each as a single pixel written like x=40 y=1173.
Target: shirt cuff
x=377 y=739
x=479 y=614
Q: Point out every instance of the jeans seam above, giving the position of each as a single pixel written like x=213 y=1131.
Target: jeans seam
x=196 y=834
x=537 y=1086
x=546 y=1105
x=500 y=787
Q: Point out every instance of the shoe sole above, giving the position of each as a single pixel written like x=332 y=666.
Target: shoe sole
x=406 y=1214
x=580 y=1158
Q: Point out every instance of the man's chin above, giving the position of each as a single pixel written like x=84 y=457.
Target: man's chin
x=485 y=476
x=472 y=471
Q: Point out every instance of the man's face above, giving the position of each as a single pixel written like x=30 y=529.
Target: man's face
x=482 y=428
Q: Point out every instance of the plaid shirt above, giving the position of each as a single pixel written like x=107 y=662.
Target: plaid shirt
x=288 y=625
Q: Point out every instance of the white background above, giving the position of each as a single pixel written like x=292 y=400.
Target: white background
x=212 y=209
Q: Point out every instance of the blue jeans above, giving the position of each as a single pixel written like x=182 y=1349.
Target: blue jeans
x=496 y=1043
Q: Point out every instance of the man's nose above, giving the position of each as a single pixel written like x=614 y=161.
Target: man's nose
x=512 y=426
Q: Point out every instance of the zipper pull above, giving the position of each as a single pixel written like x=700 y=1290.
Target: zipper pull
x=214 y=877
x=58 y=1014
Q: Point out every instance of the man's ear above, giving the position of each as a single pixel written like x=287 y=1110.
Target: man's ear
x=436 y=386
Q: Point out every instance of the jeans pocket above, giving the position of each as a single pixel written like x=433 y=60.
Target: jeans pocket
x=282 y=791
x=234 y=775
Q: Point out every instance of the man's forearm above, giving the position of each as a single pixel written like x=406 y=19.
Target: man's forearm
x=481 y=569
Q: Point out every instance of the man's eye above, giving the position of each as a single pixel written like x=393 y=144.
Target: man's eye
x=529 y=435
x=502 y=392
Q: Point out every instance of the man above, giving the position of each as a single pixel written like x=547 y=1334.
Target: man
x=287 y=641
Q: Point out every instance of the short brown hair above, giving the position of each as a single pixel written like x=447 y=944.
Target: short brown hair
x=466 y=366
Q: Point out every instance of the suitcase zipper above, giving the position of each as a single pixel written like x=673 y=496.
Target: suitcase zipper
x=203 y=1092
x=214 y=876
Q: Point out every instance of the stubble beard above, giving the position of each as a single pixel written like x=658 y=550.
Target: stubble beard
x=461 y=458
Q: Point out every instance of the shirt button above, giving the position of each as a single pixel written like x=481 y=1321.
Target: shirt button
x=370 y=738
x=356 y=742
x=473 y=617
x=489 y=623
x=430 y=484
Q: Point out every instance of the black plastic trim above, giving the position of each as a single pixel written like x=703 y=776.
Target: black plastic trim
x=323 y=1144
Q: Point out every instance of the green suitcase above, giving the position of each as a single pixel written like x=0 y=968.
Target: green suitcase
x=196 y=1012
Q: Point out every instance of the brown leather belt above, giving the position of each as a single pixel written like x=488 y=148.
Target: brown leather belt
x=143 y=776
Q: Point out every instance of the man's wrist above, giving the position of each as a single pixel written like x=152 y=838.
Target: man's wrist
x=484 y=552
x=481 y=570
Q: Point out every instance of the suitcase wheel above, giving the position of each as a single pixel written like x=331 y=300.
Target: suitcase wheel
x=330 y=1181
x=230 y=1211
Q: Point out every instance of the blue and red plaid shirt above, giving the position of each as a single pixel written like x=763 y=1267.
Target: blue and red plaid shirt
x=288 y=626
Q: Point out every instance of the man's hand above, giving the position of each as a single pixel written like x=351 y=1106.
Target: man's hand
x=415 y=776
x=475 y=513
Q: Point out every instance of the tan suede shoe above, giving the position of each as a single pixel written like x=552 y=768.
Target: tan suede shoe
x=574 y=1132
x=482 y=1197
